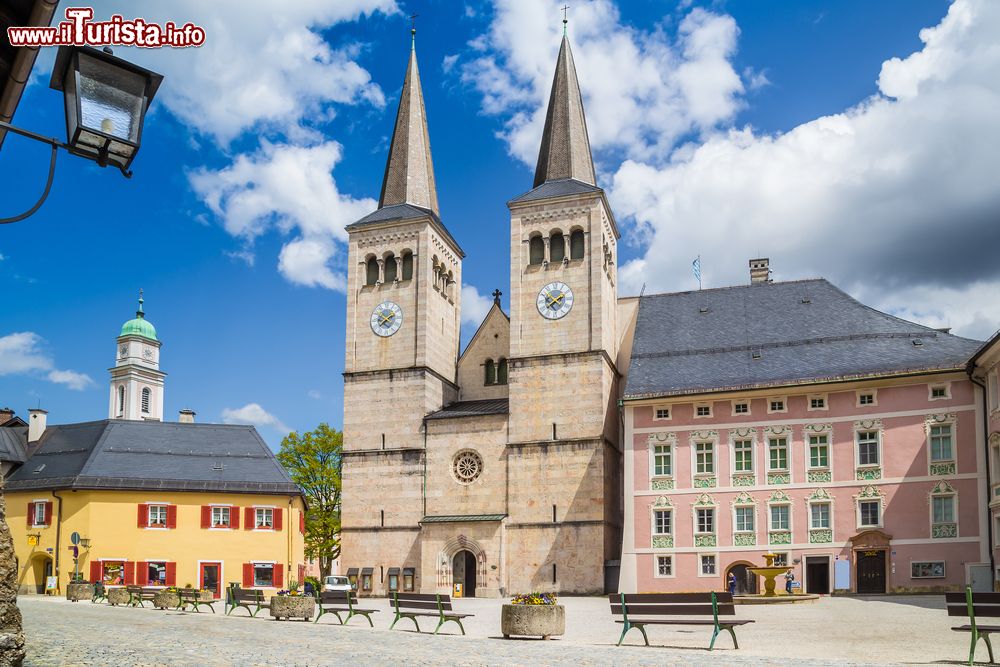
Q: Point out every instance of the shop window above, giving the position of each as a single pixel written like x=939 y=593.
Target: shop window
x=113 y=572
x=263 y=575
x=156 y=573
x=927 y=569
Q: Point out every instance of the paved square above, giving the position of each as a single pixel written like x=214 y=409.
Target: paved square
x=832 y=631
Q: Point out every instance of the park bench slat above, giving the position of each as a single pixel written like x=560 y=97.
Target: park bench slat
x=641 y=609
x=971 y=605
x=336 y=602
x=988 y=611
x=414 y=597
x=413 y=605
x=670 y=609
x=666 y=598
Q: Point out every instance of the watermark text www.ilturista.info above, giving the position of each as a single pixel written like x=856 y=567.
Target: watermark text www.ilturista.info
x=79 y=29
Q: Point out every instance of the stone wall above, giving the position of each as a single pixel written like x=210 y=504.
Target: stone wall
x=11 y=635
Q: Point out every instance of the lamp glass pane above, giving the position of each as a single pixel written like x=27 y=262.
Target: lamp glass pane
x=111 y=98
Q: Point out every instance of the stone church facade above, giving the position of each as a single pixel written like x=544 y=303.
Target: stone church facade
x=495 y=469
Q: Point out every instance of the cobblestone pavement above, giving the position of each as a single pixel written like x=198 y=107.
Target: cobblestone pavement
x=833 y=631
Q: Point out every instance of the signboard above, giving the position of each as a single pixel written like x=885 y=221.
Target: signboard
x=74 y=538
x=32 y=540
x=51 y=584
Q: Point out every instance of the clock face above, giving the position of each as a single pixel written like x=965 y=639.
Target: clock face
x=123 y=351
x=555 y=300
x=147 y=352
x=387 y=318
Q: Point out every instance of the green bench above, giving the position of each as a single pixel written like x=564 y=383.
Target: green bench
x=191 y=597
x=139 y=594
x=337 y=602
x=971 y=605
x=245 y=598
x=641 y=609
x=414 y=605
x=100 y=592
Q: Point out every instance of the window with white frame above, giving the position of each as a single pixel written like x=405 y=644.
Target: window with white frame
x=703 y=410
x=776 y=405
x=264 y=517
x=221 y=517
x=662 y=522
x=744 y=519
x=664 y=566
x=819 y=451
x=777 y=454
x=943 y=509
x=38 y=511
x=741 y=407
x=705 y=520
x=157 y=515
x=263 y=575
x=819 y=515
x=743 y=456
x=817 y=402
x=941 y=443
x=866 y=397
x=780 y=517
x=868 y=448
x=708 y=564
x=662 y=413
x=939 y=391
x=870 y=512
x=780 y=559
x=704 y=453
x=156 y=574
x=662 y=460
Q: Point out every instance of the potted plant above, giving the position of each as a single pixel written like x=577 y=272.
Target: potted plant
x=291 y=603
x=533 y=615
x=79 y=589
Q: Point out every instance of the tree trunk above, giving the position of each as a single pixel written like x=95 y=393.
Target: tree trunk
x=11 y=636
x=325 y=565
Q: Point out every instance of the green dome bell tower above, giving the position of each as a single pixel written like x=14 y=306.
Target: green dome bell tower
x=136 y=378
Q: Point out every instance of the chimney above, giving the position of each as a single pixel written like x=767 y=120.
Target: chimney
x=6 y=414
x=36 y=423
x=759 y=271
x=186 y=416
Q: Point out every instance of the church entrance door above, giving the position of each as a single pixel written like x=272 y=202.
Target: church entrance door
x=463 y=571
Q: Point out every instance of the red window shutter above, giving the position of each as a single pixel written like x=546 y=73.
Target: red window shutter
x=141 y=573
x=143 y=516
x=234 y=517
x=171 y=516
x=95 y=571
x=31 y=514
x=302 y=573
x=171 y=574
x=129 y=574
x=248 y=575
x=206 y=516
x=48 y=513
x=277 y=518
x=279 y=573
x=302 y=522
x=248 y=518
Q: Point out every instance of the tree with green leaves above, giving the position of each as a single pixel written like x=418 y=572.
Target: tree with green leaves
x=314 y=461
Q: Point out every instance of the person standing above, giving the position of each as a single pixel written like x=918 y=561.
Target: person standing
x=789 y=578
x=731 y=583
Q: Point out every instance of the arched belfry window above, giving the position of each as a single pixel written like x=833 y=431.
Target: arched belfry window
x=390 y=268
x=491 y=372
x=557 y=247
x=536 y=250
x=145 y=399
x=121 y=399
x=407 y=266
x=371 y=271
x=576 y=245
x=502 y=371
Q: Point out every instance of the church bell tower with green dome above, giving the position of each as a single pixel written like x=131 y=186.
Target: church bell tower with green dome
x=136 y=378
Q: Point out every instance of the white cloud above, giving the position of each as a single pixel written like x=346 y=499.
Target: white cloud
x=290 y=188
x=314 y=394
x=253 y=413
x=475 y=306
x=665 y=88
x=22 y=354
x=894 y=199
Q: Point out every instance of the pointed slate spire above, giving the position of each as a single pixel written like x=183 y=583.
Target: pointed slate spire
x=409 y=171
x=565 y=150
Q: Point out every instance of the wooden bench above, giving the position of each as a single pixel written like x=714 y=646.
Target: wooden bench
x=138 y=595
x=100 y=592
x=640 y=610
x=245 y=598
x=335 y=602
x=413 y=605
x=191 y=597
x=971 y=605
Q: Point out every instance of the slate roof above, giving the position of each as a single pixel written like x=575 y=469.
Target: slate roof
x=802 y=331
x=404 y=212
x=169 y=456
x=494 y=406
x=13 y=441
x=559 y=188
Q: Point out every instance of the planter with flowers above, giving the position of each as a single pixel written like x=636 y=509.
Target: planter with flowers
x=533 y=615
x=292 y=603
x=169 y=598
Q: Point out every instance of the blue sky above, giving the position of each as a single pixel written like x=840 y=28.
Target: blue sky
x=722 y=129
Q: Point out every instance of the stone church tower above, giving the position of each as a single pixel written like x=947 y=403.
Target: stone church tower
x=494 y=471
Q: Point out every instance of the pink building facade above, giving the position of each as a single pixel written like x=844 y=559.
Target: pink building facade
x=847 y=442
x=985 y=368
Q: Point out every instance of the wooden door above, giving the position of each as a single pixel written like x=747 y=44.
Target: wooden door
x=211 y=578
x=871 y=571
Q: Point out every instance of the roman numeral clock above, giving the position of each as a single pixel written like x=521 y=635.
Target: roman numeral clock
x=386 y=319
x=555 y=300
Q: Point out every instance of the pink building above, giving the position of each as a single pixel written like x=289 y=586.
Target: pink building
x=985 y=368
x=789 y=418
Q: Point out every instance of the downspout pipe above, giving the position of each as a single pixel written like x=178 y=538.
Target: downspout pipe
x=55 y=565
x=989 y=485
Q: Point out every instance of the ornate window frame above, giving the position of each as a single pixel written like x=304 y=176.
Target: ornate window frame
x=868 y=472
x=658 y=408
x=662 y=482
x=705 y=539
x=742 y=401
x=939 y=385
x=818 y=534
x=818 y=474
x=778 y=475
x=824 y=400
x=779 y=498
x=656 y=566
x=703 y=404
x=743 y=477
x=744 y=538
x=944 y=529
x=704 y=480
x=944 y=466
x=661 y=540
x=869 y=493
x=784 y=405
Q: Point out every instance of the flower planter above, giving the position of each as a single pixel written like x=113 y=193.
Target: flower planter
x=293 y=606
x=79 y=591
x=167 y=599
x=532 y=620
x=117 y=596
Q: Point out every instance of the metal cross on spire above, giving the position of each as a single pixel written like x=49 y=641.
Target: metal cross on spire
x=140 y=301
x=413 y=30
x=565 y=9
x=496 y=296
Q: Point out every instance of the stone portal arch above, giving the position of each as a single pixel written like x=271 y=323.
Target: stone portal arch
x=447 y=555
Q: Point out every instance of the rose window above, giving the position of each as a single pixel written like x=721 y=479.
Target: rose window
x=467 y=467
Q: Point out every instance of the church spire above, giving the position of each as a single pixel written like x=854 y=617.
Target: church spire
x=565 y=150
x=409 y=171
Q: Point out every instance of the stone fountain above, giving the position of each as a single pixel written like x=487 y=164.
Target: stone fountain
x=769 y=572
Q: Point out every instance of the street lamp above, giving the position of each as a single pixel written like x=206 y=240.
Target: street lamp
x=106 y=101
